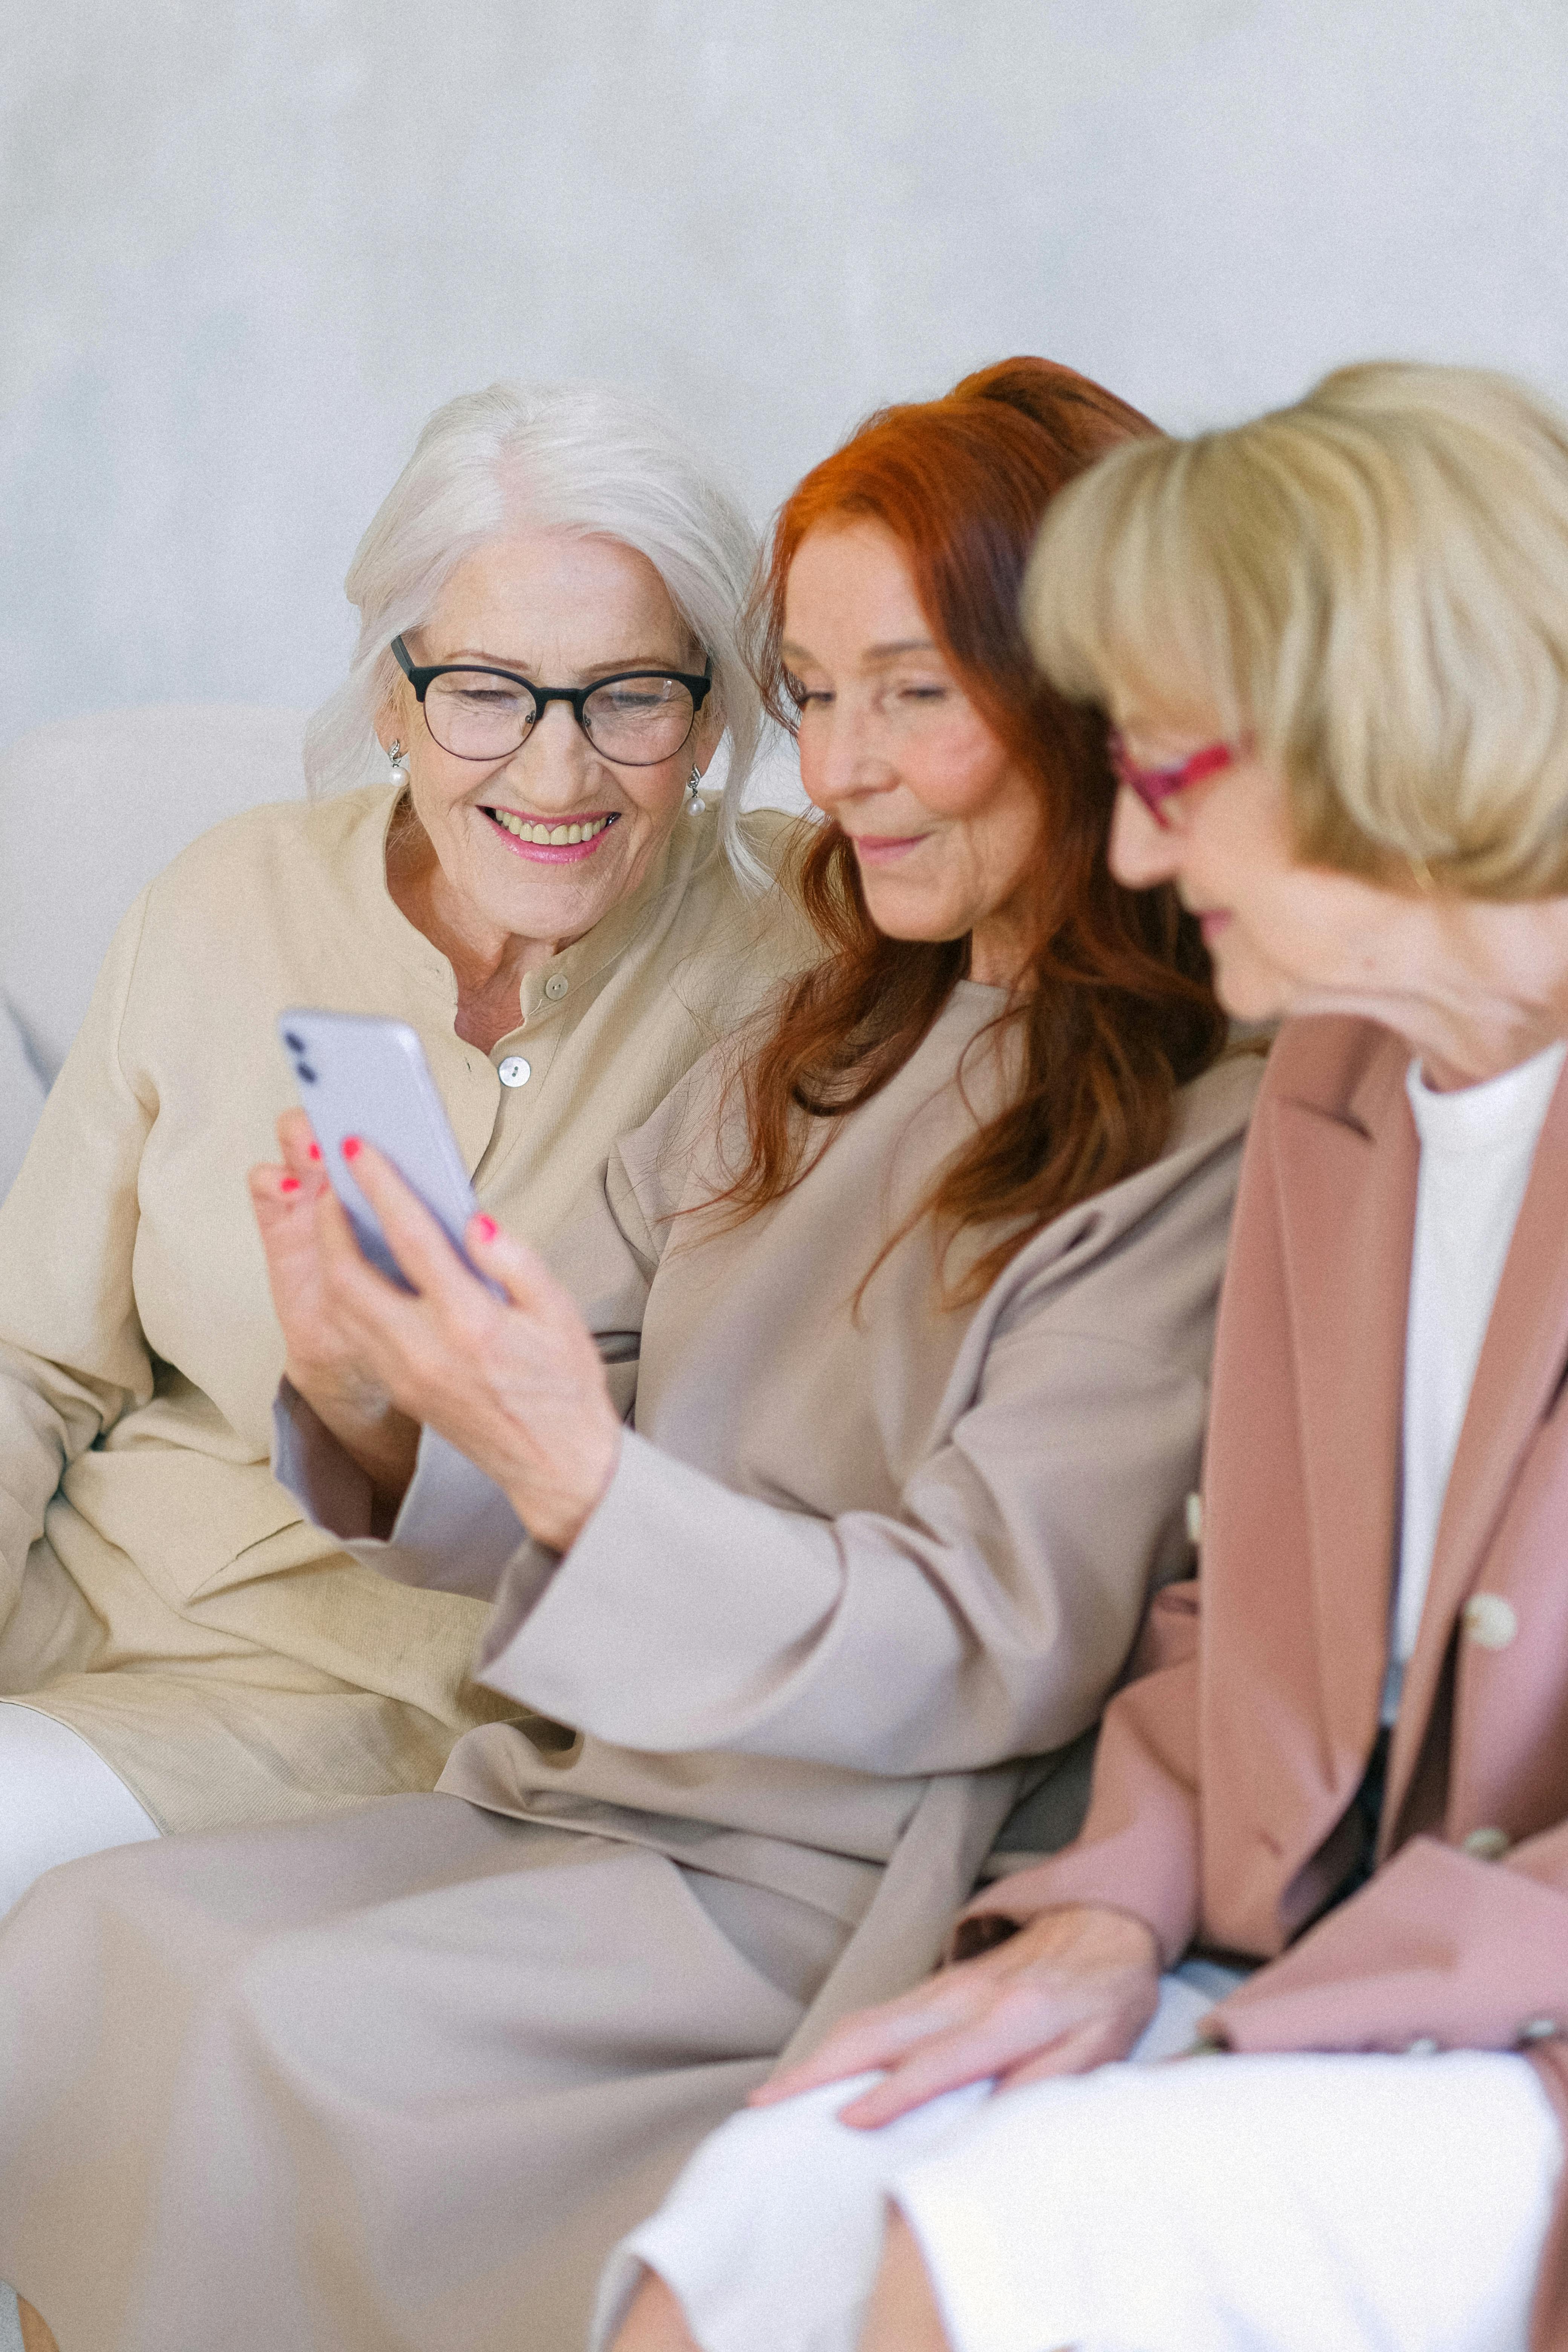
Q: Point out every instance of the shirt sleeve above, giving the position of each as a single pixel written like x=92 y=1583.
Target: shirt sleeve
x=1137 y=1849
x=1439 y=1947
x=985 y=1619
x=73 y=1356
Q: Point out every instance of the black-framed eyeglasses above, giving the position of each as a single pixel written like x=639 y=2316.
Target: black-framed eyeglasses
x=636 y=718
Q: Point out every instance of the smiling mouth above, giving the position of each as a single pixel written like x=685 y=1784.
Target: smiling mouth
x=880 y=845
x=551 y=836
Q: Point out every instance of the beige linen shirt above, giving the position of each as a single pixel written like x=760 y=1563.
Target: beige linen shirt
x=856 y=1560
x=159 y=1591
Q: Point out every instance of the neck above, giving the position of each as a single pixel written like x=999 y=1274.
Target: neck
x=1469 y=1061
x=488 y=964
x=1473 y=986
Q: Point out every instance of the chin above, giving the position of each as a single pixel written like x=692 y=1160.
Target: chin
x=903 y=915
x=1249 y=990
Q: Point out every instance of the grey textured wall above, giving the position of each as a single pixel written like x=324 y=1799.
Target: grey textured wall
x=246 y=245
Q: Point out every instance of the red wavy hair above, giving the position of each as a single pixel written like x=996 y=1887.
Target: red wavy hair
x=1116 y=1004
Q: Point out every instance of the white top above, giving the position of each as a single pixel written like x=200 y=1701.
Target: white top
x=1477 y=1146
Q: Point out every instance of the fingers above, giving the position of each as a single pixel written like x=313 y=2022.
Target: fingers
x=1093 y=2043
x=354 y=1285
x=278 y=1192
x=301 y=1152
x=520 y=1272
x=877 y=2038
x=277 y=1198
x=416 y=1239
x=992 y=2047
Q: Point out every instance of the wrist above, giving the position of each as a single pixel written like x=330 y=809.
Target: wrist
x=378 y=1438
x=1096 y=1933
x=555 y=1514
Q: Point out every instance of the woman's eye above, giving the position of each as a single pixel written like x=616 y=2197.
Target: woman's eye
x=921 y=693
x=804 y=697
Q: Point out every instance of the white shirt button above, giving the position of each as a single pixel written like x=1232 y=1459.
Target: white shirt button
x=555 y=988
x=514 y=1071
x=1195 y=1514
x=1489 y=1620
x=1488 y=1845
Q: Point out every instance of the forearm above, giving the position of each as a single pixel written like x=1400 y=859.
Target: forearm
x=688 y=1615
x=382 y=1444
x=453 y=1532
x=1137 y=1852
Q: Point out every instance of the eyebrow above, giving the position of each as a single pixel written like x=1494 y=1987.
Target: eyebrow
x=668 y=664
x=888 y=651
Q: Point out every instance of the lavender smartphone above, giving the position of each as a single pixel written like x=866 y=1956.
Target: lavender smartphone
x=359 y=1076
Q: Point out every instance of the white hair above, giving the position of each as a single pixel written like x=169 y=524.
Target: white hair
x=572 y=457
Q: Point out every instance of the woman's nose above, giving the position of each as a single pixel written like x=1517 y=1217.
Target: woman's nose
x=1141 y=851
x=549 y=761
x=839 y=761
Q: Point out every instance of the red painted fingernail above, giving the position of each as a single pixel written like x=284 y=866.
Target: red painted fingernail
x=315 y=1150
x=352 y=1147
x=487 y=1227
x=288 y=1184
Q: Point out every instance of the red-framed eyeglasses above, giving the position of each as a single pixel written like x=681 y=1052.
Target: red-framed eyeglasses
x=1153 y=786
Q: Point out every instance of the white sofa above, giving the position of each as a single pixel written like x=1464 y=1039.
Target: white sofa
x=91 y=809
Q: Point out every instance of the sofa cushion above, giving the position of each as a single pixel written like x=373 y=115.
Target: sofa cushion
x=90 y=810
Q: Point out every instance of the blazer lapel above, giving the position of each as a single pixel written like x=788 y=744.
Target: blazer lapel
x=1347 y=1183
x=1519 y=1373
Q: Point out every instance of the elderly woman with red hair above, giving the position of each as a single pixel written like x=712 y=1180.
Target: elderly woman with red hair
x=910 y=1302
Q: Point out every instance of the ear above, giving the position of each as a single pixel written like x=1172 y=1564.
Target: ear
x=704 y=738
x=389 y=723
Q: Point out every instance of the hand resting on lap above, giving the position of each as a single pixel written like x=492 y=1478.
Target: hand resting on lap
x=515 y=1383
x=1072 y=1990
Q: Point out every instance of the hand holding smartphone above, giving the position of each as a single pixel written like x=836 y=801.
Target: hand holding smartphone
x=362 y=1076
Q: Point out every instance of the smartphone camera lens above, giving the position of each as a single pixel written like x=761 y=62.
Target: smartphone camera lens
x=295 y=1044
x=306 y=1072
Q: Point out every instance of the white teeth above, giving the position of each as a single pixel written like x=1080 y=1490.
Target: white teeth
x=553 y=837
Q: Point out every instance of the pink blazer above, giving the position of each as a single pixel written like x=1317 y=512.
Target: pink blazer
x=1226 y=1770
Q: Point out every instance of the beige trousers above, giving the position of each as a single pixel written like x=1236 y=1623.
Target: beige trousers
x=396 y=2078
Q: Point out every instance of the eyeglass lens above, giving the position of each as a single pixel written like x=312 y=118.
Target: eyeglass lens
x=482 y=715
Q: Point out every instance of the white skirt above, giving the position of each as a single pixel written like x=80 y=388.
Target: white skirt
x=59 y=1800
x=1223 y=2204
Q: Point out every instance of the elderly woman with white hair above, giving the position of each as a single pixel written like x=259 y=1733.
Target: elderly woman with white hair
x=507 y=845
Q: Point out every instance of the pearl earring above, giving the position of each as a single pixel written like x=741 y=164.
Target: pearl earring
x=399 y=759
x=695 y=804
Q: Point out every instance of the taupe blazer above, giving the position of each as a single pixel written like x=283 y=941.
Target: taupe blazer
x=861 y=1556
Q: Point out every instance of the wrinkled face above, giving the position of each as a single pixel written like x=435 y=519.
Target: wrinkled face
x=948 y=830
x=561 y=611
x=1284 y=936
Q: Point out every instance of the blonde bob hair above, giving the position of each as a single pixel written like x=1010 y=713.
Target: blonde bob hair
x=1372 y=586
x=578 y=458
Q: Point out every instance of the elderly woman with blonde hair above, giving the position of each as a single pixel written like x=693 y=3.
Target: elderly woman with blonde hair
x=531 y=875
x=1334 y=647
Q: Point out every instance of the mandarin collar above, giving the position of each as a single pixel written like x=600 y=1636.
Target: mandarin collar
x=692 y=840
x=588 y=957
